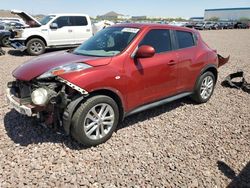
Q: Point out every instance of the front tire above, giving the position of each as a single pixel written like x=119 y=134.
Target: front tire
x=35 y=47
x=204 y=88
x=95 y=120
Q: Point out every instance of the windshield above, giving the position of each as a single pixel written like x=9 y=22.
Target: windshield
x=46 y=19
x=107 y=42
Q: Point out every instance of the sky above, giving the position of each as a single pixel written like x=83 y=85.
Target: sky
x=164 y=8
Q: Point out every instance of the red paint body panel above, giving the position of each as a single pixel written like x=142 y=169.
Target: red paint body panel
x=150 y=79
x=135 y=81
x=44 y=63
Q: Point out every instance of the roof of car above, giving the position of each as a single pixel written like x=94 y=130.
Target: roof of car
x=150 y=25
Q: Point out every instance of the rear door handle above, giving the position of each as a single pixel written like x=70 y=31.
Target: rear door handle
x=70 y=30
x=172 y=62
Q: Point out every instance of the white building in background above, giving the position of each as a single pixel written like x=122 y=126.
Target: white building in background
x=228 y=13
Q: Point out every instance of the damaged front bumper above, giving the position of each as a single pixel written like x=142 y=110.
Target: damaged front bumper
x=15 y=103
x=61 y=100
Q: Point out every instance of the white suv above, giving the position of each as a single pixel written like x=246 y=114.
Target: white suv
x=54 y=30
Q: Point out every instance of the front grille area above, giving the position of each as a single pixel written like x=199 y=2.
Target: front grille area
x=13 y=34
x=21 y=90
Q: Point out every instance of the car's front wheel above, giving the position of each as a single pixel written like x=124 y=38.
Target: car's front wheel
x=95 y=120
x=35 y=46
x=204 y=87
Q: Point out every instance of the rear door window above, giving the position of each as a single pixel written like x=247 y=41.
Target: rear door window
x=185 y=39
x=159 y=39
x=79 y=20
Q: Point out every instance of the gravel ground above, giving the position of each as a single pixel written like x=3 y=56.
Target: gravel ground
x=176 y=145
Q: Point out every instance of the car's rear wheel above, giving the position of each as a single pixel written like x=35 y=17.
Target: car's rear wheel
x=35 y=46
x=95 y=120
x=204 y=87
x=5 y=41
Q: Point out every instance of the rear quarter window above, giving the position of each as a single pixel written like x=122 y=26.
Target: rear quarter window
x=185 y=39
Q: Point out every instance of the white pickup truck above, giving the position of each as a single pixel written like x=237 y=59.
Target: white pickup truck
x=54 y=30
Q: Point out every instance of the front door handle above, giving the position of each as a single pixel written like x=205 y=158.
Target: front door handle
x=70 y=31
x=172 y=62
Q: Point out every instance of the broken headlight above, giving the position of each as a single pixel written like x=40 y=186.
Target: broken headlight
x=64 y=69
x=39 y=96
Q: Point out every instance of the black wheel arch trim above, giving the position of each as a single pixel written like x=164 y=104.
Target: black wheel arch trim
x=74 y=104
x=115 y=95
x=68 y=113
x=207 y=67
x=35 y=37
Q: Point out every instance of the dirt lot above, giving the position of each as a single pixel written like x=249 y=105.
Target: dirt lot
x=176 y=145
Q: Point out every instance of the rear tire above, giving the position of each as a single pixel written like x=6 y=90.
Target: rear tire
x=204 y=88
x=35 y=47
x=95 y=120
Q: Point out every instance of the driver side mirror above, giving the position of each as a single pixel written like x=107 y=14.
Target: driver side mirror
x=53 y=26
x=145 y=51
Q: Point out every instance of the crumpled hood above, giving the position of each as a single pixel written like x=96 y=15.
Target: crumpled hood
x=44 y=63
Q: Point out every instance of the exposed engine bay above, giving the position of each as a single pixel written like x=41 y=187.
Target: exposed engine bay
x=47 y=99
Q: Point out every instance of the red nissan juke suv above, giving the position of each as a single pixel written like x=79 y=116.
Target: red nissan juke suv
x=122 y=70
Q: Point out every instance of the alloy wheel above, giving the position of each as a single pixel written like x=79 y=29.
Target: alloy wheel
x=207 y=86
x=36 y=47
x=99 y=121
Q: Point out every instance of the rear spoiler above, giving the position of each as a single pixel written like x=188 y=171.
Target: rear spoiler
x=222 y=60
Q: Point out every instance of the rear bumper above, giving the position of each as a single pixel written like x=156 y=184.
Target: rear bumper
x=21 y=108
x=222 y=60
